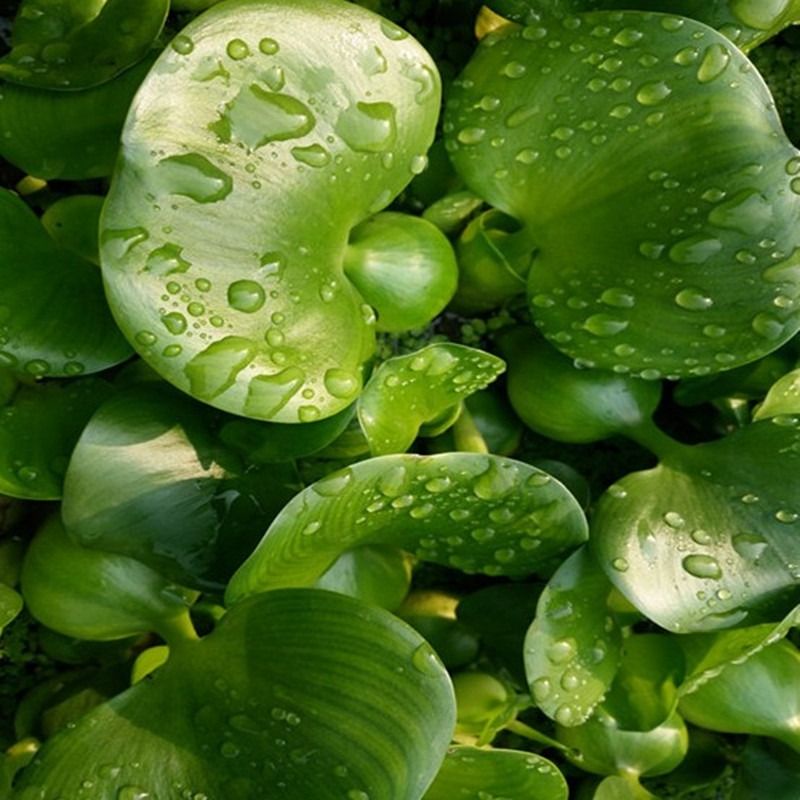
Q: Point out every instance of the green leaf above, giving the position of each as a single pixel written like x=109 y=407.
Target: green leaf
x=329 y=699
x=475 y=512
x=75 y=44
x=557 y=400
x=708 y=539
x=72 y=222
x=783 y=397
x=238 y=210
x=67 y=135
x=452 y=211
x=472 y=773
x=54 y=317
x=149 y=479
x=10 y=605
x=646 y=180
x=760 y=696
x=94 y=595
x=407 y=391
x=38 y=430
x=404 y=267
x=572 y=649
x=769 y=769
x=622 y=787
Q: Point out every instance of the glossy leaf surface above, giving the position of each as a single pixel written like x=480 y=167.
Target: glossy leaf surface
x=647 y=191
x=67 y=135
x=404 y=267
x=75 y=44
x=10 y=605
x=783 y=397
x=54 y=319
x=298 y=693
x=38 y=430
x=572 y=648
x=475 y=512
x=769 y=769
x=472 y=773
x=761 y=696
x=559 y=401
x=247 y=161
x=150 y=479
x=72 y=223
x=708 y=539
x=89 y=594
x=407 y=391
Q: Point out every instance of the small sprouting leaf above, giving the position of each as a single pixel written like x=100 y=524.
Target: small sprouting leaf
x=475 y=512
x=572 y=649
x=299 y=694
x=404 y=267
x=562 y=402
x=94 y=595
x=74 y=44
x=38 y=430
x=407 y=391
x=472 y=773
x=783 y=397
x=10 y=605
x=708 y=539
x=708 y=655
x=67 y=135
x=661 y=273
x=54 y=317
x=760 y=696
x=72 y=223
x=239 y=208
x=149 y=479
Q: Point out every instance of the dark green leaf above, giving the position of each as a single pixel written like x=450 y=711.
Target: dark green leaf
x=299 y=694
x=407 y=391
x=247 y=161
x=643 y=155
x=475 y=512
x=54 y=319
x=73 y=221
x=10 y=605
x=75 y=44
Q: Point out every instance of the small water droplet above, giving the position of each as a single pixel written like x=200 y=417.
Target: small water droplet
x=561 y=651
x=514 y=70
x=702 y=566
x=237 y=49
x=182 y=44
x=425 y=660
x=269 y=47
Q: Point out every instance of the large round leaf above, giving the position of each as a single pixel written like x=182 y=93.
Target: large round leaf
x=248 y=157
x=709 y=538
x=75 y=44
x=297 y=694
x=150 y=479
x=475 y=512
x=54 y=319
x=644 y=157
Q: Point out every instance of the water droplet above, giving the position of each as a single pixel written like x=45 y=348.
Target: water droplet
x=570 y=680
x=702 y=566
x=425 y=660
x=119 y=242
x=786 y=516
x=393 y=482
x=715 y=61
x=214 y=369
x=333 y=485
x=541 y=689
x=182 y=44
x=604 y=325
x=174 y=322
x=750 y=546
x=237 y=49
x=368 y=127
x=693 y=300
x=246 y=296
x=315 y=155
x=514 y=70
x=620 y=564
x=132 y=793
x=418 y=164
x=565 y=714
x=618 y=298
x=628 y=37
x=687 y=56
x=561 y=651
x=471 y=135
x=674 y=519
x=392 y=31
x=195 y=177
x=341 y=383
x=651 y=94
x=695 y=249
x=269 y=47
x=748 y=212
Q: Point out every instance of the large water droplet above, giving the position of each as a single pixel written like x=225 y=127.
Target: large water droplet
x=214 y=369
x=166 y=260
x=425 y=660
x=695 y=249
x=368 y=127
x=268 y=394
x=747 y=211
x=702 y=566
x=246 y=296
x=715 y=61
x=195 y=177
x=341 y=383
x=605 y=325
x=693 y=300
x=314 y=155
x=651 y=94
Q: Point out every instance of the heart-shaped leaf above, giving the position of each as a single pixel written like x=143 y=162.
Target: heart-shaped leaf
x=75 y=44
x=225 y=229
x=54 y=319
x=72 y=223
x=761 y=696
x=299 y=694
x=150 y=479
x=559 y=401
x=475 y=512
x=38 y=430
x=404 y=267
x=472 y=773
x=708 y=539
x=94 y=595
x=67 y=135
x=747 y=23
x=572 y=649
x=407 y=391
x=643 y=156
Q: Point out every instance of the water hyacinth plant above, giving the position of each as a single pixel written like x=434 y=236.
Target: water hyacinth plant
x=399 y=401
